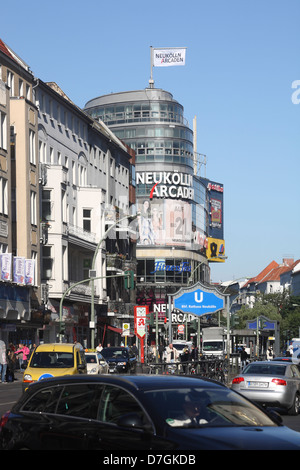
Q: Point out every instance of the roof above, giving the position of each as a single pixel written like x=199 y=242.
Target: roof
x=136 y=382
x=12 y=55
x=4 y=49
x=273 y=272
x=265 y=272
x=57 y=347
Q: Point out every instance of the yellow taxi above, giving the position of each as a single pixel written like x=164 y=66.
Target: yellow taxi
x=53 y=360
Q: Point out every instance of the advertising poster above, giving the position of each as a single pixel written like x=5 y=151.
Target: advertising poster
x=165 y=222
x=6 y=259
x=19 y=270
x=29 y=272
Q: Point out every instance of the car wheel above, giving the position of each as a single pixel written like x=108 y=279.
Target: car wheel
x=294 y=410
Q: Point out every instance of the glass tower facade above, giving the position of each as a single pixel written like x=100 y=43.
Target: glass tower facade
x=172 y=199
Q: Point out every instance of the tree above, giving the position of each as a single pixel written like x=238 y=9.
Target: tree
x=267 y=310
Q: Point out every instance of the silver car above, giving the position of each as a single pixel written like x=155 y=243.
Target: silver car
x=271 y=383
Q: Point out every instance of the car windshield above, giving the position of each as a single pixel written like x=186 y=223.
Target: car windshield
x=52 y=360
x=114 y=353
x=180 y=347
x=213 y=345
x=205 y=407
x=91 y=359
x=256 y=368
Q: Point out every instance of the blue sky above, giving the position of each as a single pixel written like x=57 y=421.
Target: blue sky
x=242 y=58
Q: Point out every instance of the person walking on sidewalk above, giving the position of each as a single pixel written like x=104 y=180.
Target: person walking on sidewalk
x=3 y=361
x=22 y=354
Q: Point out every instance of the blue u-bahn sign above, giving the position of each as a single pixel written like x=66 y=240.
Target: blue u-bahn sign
x=198 y=300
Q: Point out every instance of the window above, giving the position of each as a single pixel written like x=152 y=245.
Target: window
x=42 y=152
x=21 y=87
x=47 y=262
x=44 y=401
x=64 y=205
x=3 y=196
x=82 y=175
x=46 y=204
x=32 y=156
x=116 y=402
x=3 y=131
x=33 y=216
x=87 y=219
x=10 y=82
x=80 y=400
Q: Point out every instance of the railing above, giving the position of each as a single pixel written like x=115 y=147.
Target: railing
x=216 y=369
x=222 y=370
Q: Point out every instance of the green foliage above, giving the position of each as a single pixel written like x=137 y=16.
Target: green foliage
x=279 y=306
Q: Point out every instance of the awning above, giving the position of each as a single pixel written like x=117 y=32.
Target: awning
x=113 y=328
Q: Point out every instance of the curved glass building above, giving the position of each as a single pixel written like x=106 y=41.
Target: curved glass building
x=172 y=199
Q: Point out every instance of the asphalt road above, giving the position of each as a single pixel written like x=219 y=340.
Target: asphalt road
x=10 y=393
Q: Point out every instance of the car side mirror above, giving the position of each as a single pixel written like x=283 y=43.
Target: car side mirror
x=132 y=420
x=275 y=415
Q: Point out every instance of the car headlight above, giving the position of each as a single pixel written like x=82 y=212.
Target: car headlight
x=93 y=370
x=27 y=378
x=122 y=363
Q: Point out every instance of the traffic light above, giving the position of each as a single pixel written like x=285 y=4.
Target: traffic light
x=62 y=328
x=129 y=279
x=151 y=318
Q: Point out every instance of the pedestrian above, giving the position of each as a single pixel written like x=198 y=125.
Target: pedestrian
x=194 y=353
x=150 y=353
x=135 y=350
x=184 y=357
x=244 y=357
x=11 y=365
x=172 y=353
x=99 y=347
x=161 y=350
x=270 y=354
x=3 y=362
x=22 y=354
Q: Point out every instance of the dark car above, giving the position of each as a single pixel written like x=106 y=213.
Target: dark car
x=272 y=383
x=139 y=412
x=120 y=359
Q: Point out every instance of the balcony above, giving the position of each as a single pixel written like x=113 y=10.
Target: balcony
x=115 y=261
x=80 y=234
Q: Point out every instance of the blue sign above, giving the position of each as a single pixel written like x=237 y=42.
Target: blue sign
x=263 y=324
x=45 y=376
x=199 y=302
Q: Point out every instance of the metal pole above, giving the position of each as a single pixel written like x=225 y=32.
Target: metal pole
x=93 y=267
x=74 y=285
x=151 y=81
x=170 y=319
x=228 y=327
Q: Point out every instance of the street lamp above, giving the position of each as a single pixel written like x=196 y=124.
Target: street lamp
x=228 y=306
x=94 y=272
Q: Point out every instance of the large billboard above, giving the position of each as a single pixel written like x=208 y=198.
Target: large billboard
x=164 y=222
x=166 y=212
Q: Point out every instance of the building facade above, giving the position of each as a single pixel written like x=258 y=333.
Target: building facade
x=65 y=182
x=85 y=176
x=19 y=200
x=174 y=226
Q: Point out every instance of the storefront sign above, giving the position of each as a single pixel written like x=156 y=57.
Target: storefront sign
x=140 y=314
x=162 y=266
x=198 y=300
x=167 y=184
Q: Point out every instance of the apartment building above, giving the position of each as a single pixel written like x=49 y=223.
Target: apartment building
x=19 y=201
x=86 y=185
